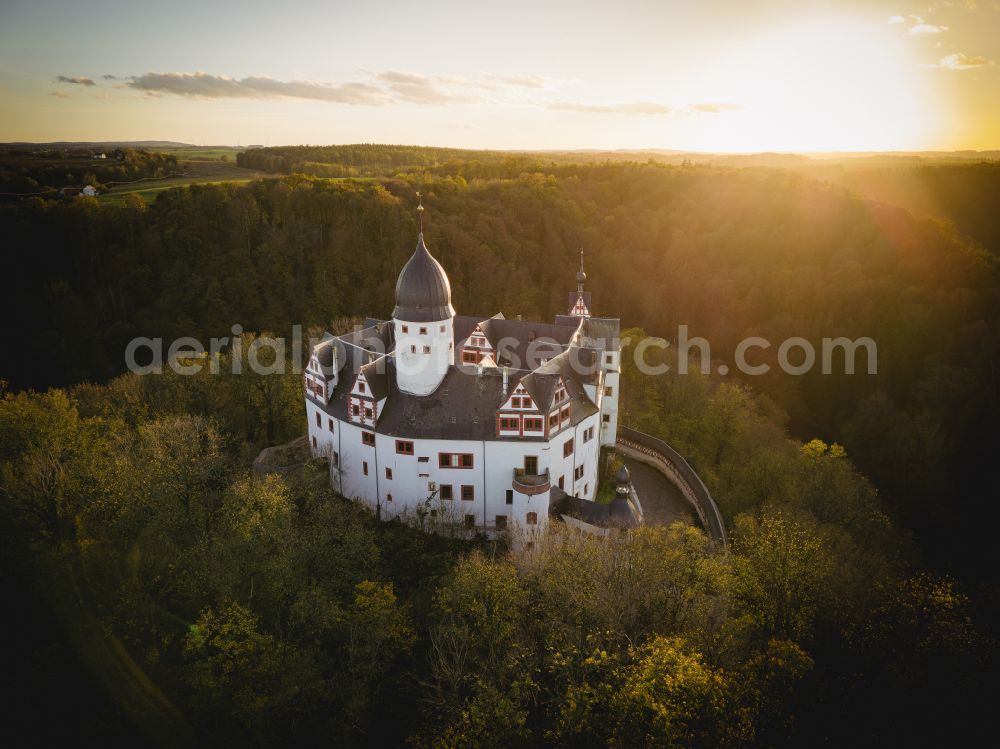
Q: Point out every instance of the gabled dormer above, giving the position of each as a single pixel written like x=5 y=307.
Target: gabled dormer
x=320 y=374
x=477 y=347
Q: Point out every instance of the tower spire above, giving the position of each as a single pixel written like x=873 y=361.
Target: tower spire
x=580 y=275
x=420 y=214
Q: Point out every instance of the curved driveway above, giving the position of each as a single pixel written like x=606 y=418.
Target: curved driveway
x=662 y=502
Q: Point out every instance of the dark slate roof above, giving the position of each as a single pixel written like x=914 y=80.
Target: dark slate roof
x=463 y=407
x=423 y=293
x=523 y=344
x=616 y=514
x=377 y=376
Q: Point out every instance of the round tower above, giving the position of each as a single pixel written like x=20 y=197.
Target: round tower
x=422 y=322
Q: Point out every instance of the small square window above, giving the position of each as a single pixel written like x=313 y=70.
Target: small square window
x=427 y=349
x=609 y=358
x=368 y=438
x=468 y=492
x=606 y=418
x=423 y=331
x=406 y=328
x=441 y=329
x=446 y=491
x=531 y=518
x=608 y=392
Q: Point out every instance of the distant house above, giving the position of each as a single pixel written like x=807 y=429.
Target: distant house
x=98 y=156
x=87 y=190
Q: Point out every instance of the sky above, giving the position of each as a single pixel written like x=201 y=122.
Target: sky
x=698 y=75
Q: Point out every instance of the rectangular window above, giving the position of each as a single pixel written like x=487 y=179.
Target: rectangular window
x=404 y=447
x=568 y=448
x=361 y=387
x=413 y=349
x=319 y=420
x=609 y=358
x=501 y=522
x=364 y=467
x=470 y=521
x=427 y=349
x=508 y=422
x=470 y=357
x=330 y=424
x=606 y=418
x=553 y=421
x=336 y=458
x=565 y=414
x=455 y=460
x=531 y=518
x=441 y=329
x=608 y=392
x=562 y=482
x=446 y=492
x=388 y=497
x=355 y=409
x=423 y=331
x=314 y=443
x=368 y=438
x=510 y=496
x=532 y=425
x=406 y=328
x=388 y=473
x=578 y=473
x=368 y=413
x=468 y=492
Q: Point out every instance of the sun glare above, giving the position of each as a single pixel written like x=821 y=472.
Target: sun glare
x=821 y=86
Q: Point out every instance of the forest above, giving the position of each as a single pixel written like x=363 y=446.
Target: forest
x=856 y=605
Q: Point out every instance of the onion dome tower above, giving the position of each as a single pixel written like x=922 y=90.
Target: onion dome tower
x=423 y=321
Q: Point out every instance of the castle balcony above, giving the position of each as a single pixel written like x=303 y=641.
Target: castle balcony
x=531 y=483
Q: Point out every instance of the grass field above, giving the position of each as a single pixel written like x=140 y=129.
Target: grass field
x=197 y=172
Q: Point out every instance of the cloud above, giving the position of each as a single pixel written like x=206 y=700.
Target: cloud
x=59 y=94
x=79 y=80
x=959 y=61
x=714 y=108
x=897 y=19
x=423 y=89
x=927 y=28
x=522 y=81
x=637 y=107
x=109 y=77
x=208 y=86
